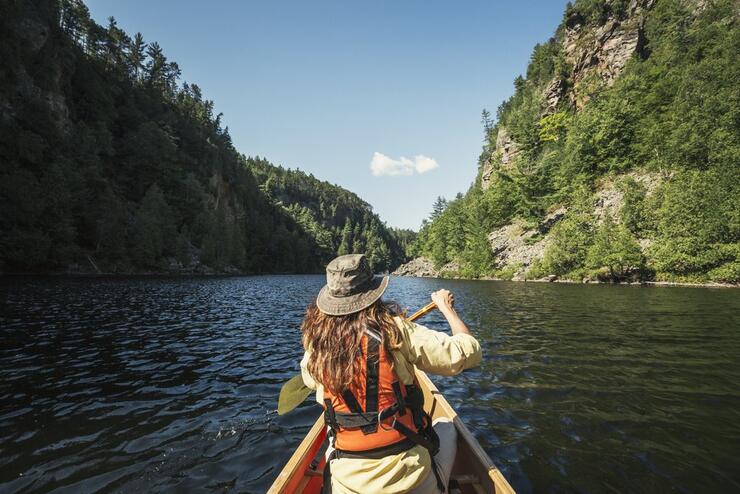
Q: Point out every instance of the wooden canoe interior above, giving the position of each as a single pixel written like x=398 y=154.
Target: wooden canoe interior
x=473 y=470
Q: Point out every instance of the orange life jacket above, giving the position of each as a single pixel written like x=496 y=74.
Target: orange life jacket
x=377 y=415
x=376 y=390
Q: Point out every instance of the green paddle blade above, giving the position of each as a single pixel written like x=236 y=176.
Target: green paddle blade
x=292 y=394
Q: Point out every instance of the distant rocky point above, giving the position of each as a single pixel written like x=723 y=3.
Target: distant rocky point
x=421 y=267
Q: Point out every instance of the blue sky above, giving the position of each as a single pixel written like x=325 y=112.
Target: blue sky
x=331 y=87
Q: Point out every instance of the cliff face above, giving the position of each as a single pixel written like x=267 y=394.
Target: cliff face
x=600 y=52
x=616 y=156
x=594 y=55
x=32 y=33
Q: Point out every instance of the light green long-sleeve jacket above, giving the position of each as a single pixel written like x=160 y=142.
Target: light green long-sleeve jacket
x=431 y=351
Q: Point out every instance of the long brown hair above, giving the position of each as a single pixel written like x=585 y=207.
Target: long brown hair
x=335 y=342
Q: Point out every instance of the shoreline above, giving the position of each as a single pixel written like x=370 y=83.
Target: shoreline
x=177 y=274
x=709 y=284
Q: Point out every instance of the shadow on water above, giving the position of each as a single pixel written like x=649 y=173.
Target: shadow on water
x=170 y=384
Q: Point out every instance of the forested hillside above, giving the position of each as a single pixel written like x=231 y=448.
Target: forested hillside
x=110 y=163
x=338 y=220
x=617 y=157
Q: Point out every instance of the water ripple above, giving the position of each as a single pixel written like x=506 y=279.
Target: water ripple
x=170 y=384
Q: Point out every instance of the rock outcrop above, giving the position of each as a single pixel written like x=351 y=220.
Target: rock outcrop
x=596 y=56
x=34 y=34
x=506 y=145
x=506 y=151
x=600 y=54
x=515 y=245
x=609 y=197
x=554 y=94
x=421 y=267
x=518 y=245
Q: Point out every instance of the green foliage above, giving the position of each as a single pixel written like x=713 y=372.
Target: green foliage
x=571 y=238
x=698 y=228
x=124 y=163
x=460 y=233
x=673 y=112
x=153 y=229
x=615 y=249
x=727 y=273
x=600 y=140
x=440 y=204
x=536 y=270
x=597 y=11
x=338 y=220
x=553 y=127
x=508 y=272
x=635 y=213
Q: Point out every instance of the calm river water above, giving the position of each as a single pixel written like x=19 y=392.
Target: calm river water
x=170 y=384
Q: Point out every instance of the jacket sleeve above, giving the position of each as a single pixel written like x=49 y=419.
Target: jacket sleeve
x=307 y=379
x=439 y=353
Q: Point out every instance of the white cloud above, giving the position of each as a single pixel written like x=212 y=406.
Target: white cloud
x=385 y=165
x=424 y=164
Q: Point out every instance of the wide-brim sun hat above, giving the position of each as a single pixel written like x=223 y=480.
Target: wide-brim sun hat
x=350 y=286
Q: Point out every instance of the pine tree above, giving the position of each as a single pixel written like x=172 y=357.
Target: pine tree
x=345 y=245
x=377 y=252
x=115 y=42
x=438 y=208
x=136 y=56
x=112 y=228
x=156 y=66
x=359 y=243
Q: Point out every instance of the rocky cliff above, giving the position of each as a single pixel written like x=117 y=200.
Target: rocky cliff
x=594 y=56
x=616 y=156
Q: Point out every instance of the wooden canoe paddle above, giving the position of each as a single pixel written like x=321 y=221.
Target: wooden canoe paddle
x=295 y=391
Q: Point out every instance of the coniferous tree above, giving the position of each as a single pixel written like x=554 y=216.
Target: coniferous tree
x=345 y=244
x=438 y=208
x=136 y=56
x=115 y=42
x=358 y=240
x=156 y=66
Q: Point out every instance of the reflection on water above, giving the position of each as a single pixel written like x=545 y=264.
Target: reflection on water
x=170 y=384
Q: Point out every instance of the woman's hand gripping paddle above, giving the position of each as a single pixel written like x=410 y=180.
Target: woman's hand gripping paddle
x=295 y=391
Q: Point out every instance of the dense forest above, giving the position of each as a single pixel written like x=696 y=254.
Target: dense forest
x=338 y=220
x=618 y=155
x=111 y=163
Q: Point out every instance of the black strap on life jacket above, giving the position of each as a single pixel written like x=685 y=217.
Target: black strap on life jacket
x=372 y=376
x=368 y=419
x=425 y=435
x=360 y=417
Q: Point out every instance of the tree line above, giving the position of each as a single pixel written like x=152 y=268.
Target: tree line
x=111 y=161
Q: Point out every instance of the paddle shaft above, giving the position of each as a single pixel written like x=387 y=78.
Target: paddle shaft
x=427 y=308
